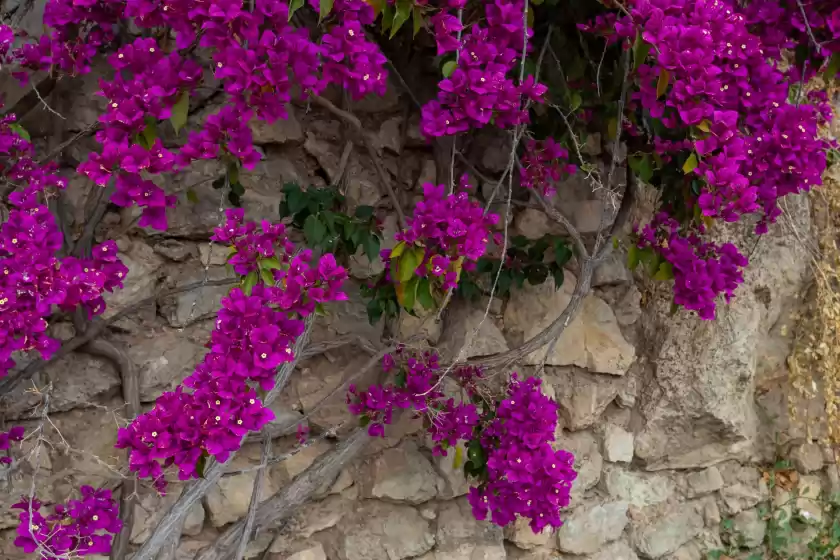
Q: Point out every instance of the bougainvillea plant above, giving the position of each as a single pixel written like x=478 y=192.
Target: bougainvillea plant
x=712 y=100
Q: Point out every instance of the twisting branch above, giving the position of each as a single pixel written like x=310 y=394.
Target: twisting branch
x=96 y=328
x=353 y=121
x=255 y=498
x=285 y=503
x=174 y=518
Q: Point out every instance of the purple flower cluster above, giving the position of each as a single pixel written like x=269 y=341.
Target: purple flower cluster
x=521 y=473
x=351 y=60
x=453 y=229
x=78 y=528
x=146 y=85
x=257 y=54
x=249 y=244
x=480 y=88
x=33 y=278
x=781 y=26
x=719 y=84
x=525 y=476
x=6 y=440
x=702 y=270
x=544 y=164
x=254 y=334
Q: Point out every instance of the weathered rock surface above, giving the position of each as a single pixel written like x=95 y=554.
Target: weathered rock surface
x=403 y=474
x=618 y=444
x=469 y=333
x=591 y=526
x=592 y=340
x=380 y=531
x=666 y=534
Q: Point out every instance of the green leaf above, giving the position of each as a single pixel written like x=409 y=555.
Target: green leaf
x=458 y=460
x=833 y=67
x=295 y=200
x=409 y=262
x=377 y=5
x=407 y=293
x=575 y=101
x=267 y=277
x=562 y=254
x=364 y=420
x=314 y=230
x=633 y=257
x=387 y=17
x=192 y=196
x=374 y=311
x=537 y=274
x=641 y=48
x=475 y=453
x=364 y=212
x=201 y=464
x=519 y=241
x=400 y=378
x=149 y=134
x=417 y=20
x=664 y=272
x=180 y=111
x=448 y=68
x=559 y=278
x=20 y=131
x=424 y=294
x=398 y=250
x=401 y=16
x=270 y=263
x=326 y=7
x=294 y=6
x=319 y=310
x=662 y=82
x=249 y=282
x=690 y=164
x=371 y=246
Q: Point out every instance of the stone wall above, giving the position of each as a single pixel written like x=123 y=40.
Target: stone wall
x=668 y=416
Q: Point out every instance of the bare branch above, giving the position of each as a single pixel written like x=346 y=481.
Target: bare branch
x=353 y=121
x=285 y=503
x=255 y=498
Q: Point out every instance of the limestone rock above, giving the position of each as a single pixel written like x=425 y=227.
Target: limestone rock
x=454 y=482
x=315 y=552
x=278 y=132
x=380 y=531
x=140 y=280
x=618 y=444
x=428 y=173
x=534 y=224
x=637 y=488
x=302 y=460
x=150 y=509
x=667 y=533
x=463 y=337
x=749 y=528
x=461 y=537
x=807 y=457
x=186 y=308
x=586 y=215
x=164 y=357
x=700 y=409
x=403 y=474
x=92 y=380
x=628 y=308
x=592 y=340
x=227 y=501
x=389 y=134
x=588 y=460
x=174 y=249
x=520 y=533
x=704 y=482
x=612 y=270
x=618 y=550
x=590 y=527
x=424 y=325
x=739 y=497
x=583 y=396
